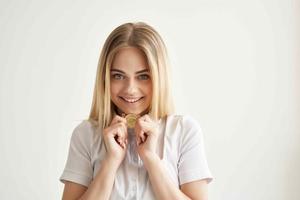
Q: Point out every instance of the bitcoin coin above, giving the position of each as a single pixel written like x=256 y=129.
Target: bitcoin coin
x=131 y=120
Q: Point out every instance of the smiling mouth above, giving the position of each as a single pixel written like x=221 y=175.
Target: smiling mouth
x=131 y=100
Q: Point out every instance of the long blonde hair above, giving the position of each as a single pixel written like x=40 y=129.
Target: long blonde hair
x=145 y=38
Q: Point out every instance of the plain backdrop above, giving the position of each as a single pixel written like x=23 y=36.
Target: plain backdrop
x=235 y=68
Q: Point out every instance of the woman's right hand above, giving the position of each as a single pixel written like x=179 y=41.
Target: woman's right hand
x=115 y=139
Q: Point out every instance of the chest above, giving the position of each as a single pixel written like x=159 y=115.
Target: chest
x=132 y=180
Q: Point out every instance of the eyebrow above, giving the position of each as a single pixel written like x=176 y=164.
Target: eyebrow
x=138 y=72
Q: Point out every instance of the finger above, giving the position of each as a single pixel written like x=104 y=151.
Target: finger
x=117 y=119
x=142 y=136
x=142 y=118
x=144 y=126
x=149 y=129
x=140 y=131
x=116 y=128
x=137 y=131
x=125 y=133
x=125 y=136
x=118 y=132
x=125 y=130
x=138 y=141
x=146 y=118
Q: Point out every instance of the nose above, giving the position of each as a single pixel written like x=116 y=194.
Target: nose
x=131 y=87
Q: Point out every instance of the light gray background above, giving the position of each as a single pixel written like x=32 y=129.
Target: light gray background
x=235 y=68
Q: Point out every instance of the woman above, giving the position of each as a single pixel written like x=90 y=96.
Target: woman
x=133 y=146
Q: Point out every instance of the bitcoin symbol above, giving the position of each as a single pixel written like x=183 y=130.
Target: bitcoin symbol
x=131 y=120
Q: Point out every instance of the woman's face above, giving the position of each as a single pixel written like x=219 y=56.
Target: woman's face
x=130 y=81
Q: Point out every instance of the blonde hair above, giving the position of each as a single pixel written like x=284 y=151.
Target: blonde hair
x=145 y=38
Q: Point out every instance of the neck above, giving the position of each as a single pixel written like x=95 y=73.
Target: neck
x=123 y=114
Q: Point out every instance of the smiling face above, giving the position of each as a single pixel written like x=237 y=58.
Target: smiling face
x=130 y=81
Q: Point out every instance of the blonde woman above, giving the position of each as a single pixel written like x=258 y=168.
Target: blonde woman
x=133 y=146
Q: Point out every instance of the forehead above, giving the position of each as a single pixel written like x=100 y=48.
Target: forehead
x=130 y=58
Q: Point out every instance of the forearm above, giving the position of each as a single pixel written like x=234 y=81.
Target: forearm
x=100 y=188
x=161 y=183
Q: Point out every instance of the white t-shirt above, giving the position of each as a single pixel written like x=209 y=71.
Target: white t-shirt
x=180 y=147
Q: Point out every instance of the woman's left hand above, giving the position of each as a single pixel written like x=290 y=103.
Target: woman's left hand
x=146 y=131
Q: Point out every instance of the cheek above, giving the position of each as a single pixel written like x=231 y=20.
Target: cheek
x=149 y=90
x=114 y=95
x=148 y=96
x=114 y=89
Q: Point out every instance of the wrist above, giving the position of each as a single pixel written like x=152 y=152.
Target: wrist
x=111 y=163
x=149 y=158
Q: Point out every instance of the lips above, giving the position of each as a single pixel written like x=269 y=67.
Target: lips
x=131 y=100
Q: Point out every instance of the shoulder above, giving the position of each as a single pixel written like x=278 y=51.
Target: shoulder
x=188 y=133
x=184 y=121
x=183 y=127
x=84 y=132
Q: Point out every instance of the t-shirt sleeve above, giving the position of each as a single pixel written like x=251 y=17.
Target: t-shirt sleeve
x=192 y=163
x=78 y=167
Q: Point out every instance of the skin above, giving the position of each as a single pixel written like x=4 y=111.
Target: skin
x=127 y=82
x=131 y=84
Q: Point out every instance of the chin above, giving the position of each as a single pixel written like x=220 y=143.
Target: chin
x=134 y=111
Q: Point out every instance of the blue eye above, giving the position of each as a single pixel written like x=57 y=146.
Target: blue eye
x=117 y=76
x=144 y=77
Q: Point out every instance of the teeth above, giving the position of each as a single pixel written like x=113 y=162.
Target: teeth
x=131 y=100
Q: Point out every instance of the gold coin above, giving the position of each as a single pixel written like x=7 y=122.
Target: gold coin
x=131 y=120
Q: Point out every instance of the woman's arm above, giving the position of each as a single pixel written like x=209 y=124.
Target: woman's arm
x=196 y=189
x=101 y=186
x=161 y=183
x=164 y=188
x=114 y=137
x=147 y=136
